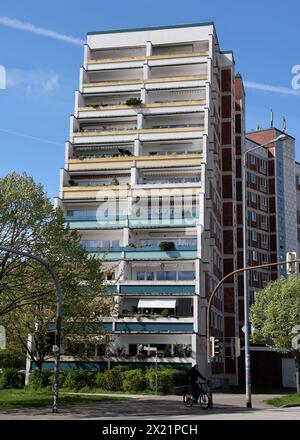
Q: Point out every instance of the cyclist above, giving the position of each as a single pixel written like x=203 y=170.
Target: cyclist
x=193 y=376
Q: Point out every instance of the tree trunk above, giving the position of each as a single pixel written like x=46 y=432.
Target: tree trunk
x=297 y=364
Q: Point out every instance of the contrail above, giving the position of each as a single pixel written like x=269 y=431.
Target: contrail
x=28 y=27
x=270 y=88
x=30 y=137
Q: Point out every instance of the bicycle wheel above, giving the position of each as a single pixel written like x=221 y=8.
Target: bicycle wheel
x=188 y=400
x=204 y=400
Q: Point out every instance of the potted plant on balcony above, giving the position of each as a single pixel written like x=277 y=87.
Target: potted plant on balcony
x=134 y=102
x=165 y=313
x=166 y=246
x=115 y=182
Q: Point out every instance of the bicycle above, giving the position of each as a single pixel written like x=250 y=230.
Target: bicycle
x=204 y=398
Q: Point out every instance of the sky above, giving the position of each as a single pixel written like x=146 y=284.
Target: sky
x=41 y=51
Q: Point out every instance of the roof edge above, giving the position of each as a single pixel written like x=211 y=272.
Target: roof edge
x=155 y=28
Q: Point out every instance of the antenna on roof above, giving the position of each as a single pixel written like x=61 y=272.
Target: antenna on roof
x=272 y=119
x=284 y=123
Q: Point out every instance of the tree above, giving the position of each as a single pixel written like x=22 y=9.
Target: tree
x=275 y=314
x=29 y=222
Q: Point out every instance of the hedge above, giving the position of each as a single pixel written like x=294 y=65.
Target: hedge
x=11 y=378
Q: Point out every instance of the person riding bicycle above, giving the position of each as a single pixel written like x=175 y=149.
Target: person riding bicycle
x=193 y=376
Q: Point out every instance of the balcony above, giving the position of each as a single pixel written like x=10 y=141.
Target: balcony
x=138 y=61
x=145 y=134
x=122 y=162
x=91 y=88
x=111 y=222
x=145 y=327
x=130 y=254
x=149 y=108
x=163 y=288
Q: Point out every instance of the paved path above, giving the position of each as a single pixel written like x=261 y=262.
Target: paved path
x=226 y=407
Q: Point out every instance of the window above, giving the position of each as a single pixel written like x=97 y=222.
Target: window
x=265 y=279
x=263 y=164
x=186 y=275
x=253 y=217
x=149 y=276
x=140 y=276
x=263 y=202
x=253 y=197
x=252 y=159
x=264 y=240
x=255 y=275
x=264 y=220
x=263 y=182
x=254 y=256
x=166 y=276
x=253 y=178
x=264 y=258
x=254 y=235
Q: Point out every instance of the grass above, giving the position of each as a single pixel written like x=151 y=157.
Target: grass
x=101 y=391
x=27 y=398
x=290 y=399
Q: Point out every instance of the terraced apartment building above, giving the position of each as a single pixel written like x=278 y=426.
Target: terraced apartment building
x=150 y=176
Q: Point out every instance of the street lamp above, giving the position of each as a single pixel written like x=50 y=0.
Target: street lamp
x=56 y=347
x=281 y=137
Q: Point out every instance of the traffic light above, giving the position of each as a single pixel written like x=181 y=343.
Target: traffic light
x=215 y=346
x=291 y=268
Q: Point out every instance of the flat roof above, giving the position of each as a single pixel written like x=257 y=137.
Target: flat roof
x=155 y=28
x=269 y=129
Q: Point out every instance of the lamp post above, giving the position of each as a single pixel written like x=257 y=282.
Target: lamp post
x=245 y=261
x=57 y=347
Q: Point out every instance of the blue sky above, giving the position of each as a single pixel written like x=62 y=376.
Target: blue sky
x=43 y=67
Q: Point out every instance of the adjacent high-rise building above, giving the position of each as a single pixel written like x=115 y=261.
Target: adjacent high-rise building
x=153 y=182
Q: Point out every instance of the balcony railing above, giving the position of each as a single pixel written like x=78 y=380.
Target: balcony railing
x=145 y=81
x=143 y=58
x=124 y=132
x=143 y=327
x=113 y=222
x=132 y=254
x=148 y=105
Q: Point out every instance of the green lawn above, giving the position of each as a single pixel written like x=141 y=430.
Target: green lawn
x=291 y=399
x=13 y=399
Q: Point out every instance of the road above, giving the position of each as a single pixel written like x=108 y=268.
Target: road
x=226 y=407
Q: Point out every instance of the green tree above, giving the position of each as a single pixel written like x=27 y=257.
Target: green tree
x=29 y=222
x=275 y=314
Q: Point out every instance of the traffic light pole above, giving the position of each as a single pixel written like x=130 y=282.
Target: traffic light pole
x=217 y=287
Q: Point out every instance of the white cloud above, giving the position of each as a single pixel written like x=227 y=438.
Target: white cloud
x=270 y=88
x=32 y=81
x=28 y=27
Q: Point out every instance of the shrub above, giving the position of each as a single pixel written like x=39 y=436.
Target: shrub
x=134 y=101
x=100 y=380
x=167 y=379
x=113 y=378
x=77 y=379
x=62 y=379
x=39 y=379
x=134 y=380
x=11 y=378
x=11 y=359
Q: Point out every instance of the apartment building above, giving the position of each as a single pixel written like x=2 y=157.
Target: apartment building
x=272 y=224
x=152 y=181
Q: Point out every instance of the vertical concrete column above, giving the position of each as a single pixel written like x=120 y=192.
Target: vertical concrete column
x=144 y=95
x=136 y=148
x=28 y=359
x=133 y=176
x=125 y=237
x=140 y=120
x=146 y=71
x=148 y=48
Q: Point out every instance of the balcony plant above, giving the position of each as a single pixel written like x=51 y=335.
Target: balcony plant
x=165 y=313
x=134 y=102
x=115 y=182
x=166 y=246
